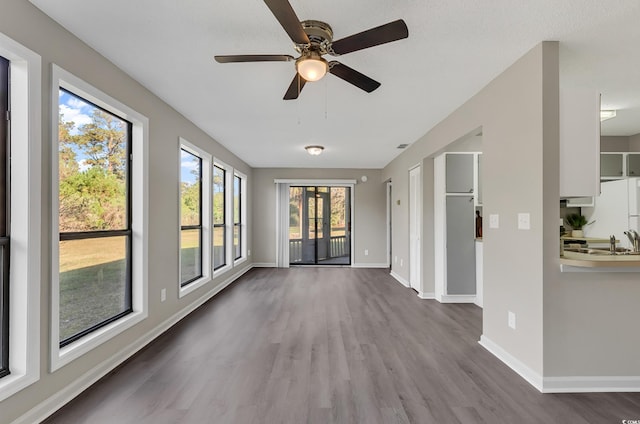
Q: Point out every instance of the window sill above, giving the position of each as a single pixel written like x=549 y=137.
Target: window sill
x=193 y=286
x=62 y=356
x=239 y=261
x=221 y=270
x=15 y=382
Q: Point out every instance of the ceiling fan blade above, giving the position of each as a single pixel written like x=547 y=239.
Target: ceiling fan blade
x=386 y=33
x=294 y=88
x=254 y=58
x=353 y=77
x=285 y=14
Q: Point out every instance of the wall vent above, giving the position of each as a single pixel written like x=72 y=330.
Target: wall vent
x=402 y=146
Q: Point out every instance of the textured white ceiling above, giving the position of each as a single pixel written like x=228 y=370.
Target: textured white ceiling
x=455 y=47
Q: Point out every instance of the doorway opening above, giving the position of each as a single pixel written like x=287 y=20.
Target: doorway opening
x=319 y=225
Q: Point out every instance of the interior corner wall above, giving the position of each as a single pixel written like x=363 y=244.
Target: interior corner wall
x=614 y=144
x=27 y=25
x=369 y=222
x=634 y=143
x=510 y=112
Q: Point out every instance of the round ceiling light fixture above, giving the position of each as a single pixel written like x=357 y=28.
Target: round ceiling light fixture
x=312 y=67
x=314 y=150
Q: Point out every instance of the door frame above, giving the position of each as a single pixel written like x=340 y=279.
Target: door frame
x=320 y=183
x=415 y=234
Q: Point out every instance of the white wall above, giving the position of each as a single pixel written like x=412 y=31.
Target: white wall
x=25 y=24
x=568 y=325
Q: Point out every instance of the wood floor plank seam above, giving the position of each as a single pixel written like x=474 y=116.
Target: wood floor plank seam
x=328 y=345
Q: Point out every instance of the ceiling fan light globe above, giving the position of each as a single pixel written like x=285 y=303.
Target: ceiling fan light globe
x=312 y=69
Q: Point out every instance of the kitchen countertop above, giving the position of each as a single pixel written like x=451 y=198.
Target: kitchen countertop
x=599 y=261
x=587 y=239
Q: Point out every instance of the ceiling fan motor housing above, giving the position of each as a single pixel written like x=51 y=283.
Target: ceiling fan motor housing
x=320 y=36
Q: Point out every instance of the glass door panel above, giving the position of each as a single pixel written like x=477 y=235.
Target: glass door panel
x=319 y=225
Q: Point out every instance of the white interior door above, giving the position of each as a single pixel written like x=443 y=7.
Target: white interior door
x=415 y=221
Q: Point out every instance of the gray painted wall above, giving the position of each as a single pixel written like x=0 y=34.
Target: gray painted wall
x=568 y=324
x=24 y=23
x=614 y=144
x=634 y=143
x=369 y=224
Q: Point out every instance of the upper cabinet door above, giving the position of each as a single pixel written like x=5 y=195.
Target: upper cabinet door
x=611 y=165
x=459 y=172
x=633 y=164
x=579 y=142
x=479 y=190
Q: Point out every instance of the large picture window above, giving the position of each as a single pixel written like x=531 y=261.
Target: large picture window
x=100 y=186
x=237 y=217
x=94 y=194
x=4 y=218
x=219 y=217
x=190 y=217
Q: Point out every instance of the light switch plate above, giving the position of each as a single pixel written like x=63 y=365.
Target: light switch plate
x=524 y=221
x=511 y=320
x=494 y=220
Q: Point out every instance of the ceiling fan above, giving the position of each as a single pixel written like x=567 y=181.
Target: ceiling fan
x=313 y=39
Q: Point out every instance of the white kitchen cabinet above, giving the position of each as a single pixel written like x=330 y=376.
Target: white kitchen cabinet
x=479 y=180
x=461 y=255
x=579 y=202
x=579 y=143
x=633 y=164
x=459 y=173
x=611 y=165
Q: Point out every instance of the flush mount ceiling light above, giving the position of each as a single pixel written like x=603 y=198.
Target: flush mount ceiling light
x=312 y=67
x=607 y=114
x=314 y=150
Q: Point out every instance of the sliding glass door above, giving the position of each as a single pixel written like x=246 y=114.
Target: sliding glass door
x=320 y=225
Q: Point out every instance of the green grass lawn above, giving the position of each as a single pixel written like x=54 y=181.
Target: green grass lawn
x=92 y=279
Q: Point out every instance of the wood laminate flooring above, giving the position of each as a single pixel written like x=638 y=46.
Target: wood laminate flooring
x=328 y=345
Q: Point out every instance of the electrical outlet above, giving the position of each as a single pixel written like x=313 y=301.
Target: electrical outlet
x=163 y=295
x=524 y=221
x=366 y=252
x=249 y=252
x=511 y=320
x=401 y=262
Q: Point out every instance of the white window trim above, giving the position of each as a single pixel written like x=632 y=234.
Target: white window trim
x=207 y=233
x=139 y=220
x=243 y=218
x=26 y=206
x=228 y=217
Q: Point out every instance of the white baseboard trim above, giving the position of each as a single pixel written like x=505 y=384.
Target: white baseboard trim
x=368 y=265
x=591 y=384
x=424 y=295
x=514 y=363
x=571 y=384
x=457 y=298
x=50 y=405
x=264 y=265
x=400 y=279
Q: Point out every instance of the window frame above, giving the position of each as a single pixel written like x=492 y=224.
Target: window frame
x=5 y=222
x=222 y=225
x=205 y=218
x=62 y=355
x=243 y=218
x=228 y=216
x=95 y=234
x=25 y=211
x=197 y=226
